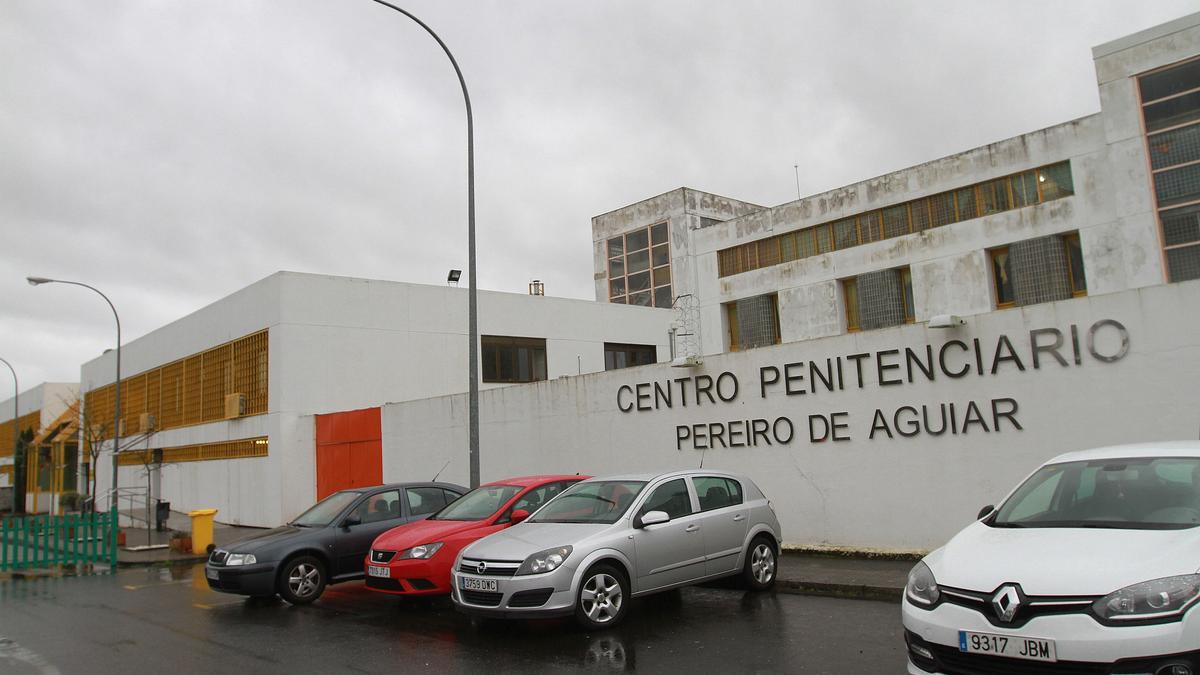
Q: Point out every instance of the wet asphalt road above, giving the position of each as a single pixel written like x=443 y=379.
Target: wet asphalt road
x=166 y=620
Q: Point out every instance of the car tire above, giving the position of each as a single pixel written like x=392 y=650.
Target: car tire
x=602 y=598
x=762 y=564
x=302 y=580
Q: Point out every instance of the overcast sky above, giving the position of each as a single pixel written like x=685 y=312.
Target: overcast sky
x=172 y=152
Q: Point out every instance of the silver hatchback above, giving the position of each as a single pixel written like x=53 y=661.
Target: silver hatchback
x=605 y=540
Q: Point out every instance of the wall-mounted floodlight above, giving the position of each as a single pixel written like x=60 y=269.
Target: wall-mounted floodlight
x=947 y=321
x=453 y=277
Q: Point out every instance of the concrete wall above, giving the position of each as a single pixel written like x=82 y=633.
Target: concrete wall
x=339 y=343
x=51 y=398
x=899 y=493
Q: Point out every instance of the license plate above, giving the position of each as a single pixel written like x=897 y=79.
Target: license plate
x=1013 y=646
x=469 y=584
x=374 y=571
x=211 y=573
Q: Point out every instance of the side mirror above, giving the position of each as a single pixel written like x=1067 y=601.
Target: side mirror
x=652 y=518
x=351 y=521
x=985 y=512
x=517 y=516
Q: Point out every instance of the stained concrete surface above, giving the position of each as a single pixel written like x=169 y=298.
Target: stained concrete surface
x=167 y=620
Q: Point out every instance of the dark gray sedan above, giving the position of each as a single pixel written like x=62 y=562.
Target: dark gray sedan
x=326 y=544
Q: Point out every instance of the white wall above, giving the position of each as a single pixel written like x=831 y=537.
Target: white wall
x=337 y=344
x=894 y=494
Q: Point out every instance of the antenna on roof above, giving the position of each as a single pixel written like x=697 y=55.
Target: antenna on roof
x=796 y=168
x=435 y=476
x=702 y=457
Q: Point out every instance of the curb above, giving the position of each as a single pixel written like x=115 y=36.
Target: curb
x=844 y=591
x=160 y=563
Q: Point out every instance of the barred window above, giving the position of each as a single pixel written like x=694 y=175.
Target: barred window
x=878 y=299
x=753 y=322
x=1038 y=270
x=1171 y=111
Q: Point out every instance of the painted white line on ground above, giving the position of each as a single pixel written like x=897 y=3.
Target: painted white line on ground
x=11 y=651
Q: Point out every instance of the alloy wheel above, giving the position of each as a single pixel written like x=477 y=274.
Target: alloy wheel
x=601 y=597
x=304 y=580
x=762 y=563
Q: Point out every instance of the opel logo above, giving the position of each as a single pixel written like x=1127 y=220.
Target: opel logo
x=481 y=567
x=1006 y=602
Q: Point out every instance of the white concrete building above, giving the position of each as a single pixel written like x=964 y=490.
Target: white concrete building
x=37 y=408
x=294 y=346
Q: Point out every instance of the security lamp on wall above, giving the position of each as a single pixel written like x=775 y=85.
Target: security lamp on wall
x=453 y=277
x=947 y=321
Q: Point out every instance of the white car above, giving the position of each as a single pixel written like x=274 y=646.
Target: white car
x=1092 y=565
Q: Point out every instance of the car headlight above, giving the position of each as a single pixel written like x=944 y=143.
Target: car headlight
x=921 y=589
x=422 y=552
x=544 y=561
x=236 y=559
x=1164 y=598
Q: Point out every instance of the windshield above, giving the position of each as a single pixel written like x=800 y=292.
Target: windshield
x=323 y=512
x=478 y=503
x=602 y=501
x=1146 y=493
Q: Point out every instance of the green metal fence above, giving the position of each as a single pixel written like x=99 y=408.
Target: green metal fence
x=45 y=541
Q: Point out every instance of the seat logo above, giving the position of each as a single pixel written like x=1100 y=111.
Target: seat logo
x=481 y=567
x=1006 y=602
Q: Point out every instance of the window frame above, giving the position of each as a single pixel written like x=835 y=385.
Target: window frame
x=853 y=317
x=629 y=349
x=1006 y=304
x=515 y=343
x=654 y=288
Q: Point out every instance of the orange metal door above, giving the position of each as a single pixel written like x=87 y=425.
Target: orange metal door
x=349 y=450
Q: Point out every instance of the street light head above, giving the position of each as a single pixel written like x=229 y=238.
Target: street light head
x=36 y=281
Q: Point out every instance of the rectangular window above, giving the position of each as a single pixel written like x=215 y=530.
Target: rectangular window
x=639 y=267
x=868 y=227
x=731 y=324
x=965 y=201
x=1075 y=265
x=920 y=211
x=850 y=300
x=907 y=294
x=1171 y=111
x=1045 y=269
x=845 y=233
x=895 y=221
x=512 y=359
x=1002 y=277
x=617 y=356
x=757 y=321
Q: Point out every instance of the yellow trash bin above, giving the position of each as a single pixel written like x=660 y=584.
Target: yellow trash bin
x=202 y=529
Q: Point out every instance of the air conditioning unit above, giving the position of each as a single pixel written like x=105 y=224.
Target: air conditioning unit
x=146 y=422
x=235 y=406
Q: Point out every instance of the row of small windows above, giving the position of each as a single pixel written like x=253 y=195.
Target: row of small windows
x=1001 y=194
x=1171 y=112
x=639 y=267
x=523 y=359
x=1028 y=272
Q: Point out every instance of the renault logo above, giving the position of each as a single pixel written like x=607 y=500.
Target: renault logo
x=481 y=567
x=1006 y=602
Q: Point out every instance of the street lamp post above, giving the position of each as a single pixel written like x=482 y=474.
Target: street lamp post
x=472 y=306
x=16 y=430
x=37 y=281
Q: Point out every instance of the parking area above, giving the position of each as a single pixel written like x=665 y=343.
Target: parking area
x=167 y=620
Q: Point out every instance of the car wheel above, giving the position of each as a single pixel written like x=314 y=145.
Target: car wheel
x=761 y=561
x=602 y=598
x=302 y=580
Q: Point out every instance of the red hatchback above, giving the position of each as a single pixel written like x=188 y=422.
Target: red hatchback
x=415 y=559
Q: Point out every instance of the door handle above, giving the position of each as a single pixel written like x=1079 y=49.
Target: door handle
x=739 y=517
x=691 y=528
